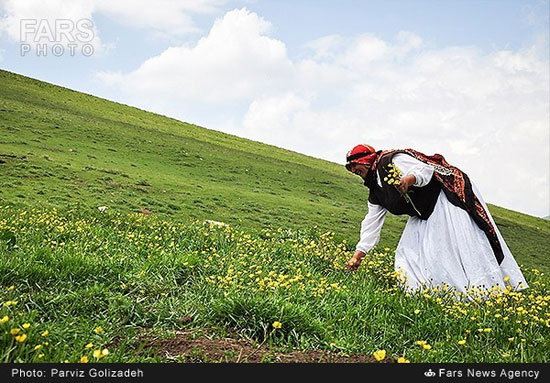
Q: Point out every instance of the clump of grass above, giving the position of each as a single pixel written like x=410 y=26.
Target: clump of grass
x=265 y=317
x=70 y=273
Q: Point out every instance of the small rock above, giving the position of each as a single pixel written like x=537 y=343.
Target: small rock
x=186 y=319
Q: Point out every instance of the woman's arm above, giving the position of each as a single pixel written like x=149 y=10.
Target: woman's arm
x=415 y=172
x=370 y=234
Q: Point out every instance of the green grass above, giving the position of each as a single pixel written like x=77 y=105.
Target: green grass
x=132 y=274
x=74 y=152
x=65 y=149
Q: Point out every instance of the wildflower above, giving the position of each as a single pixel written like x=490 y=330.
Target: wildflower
x=98 y=330
x=5 y=319
x=511 y=339
x=104 y=352
x=89 y=345
x=26 y=325
x=506 y=279
x=14 y=331
x=98 y=354
x=21 y=338
x=487 y=330
x=45 y=333
x=84 y=359
x=427 y=347
x=421 y=343
x=403 y=360
x=416 y=311
x=463 y=341
x=40 y=355
x=11 y=288
x=379 y=355
x=277 y=324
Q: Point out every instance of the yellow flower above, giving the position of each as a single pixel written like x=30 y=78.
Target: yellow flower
x=5 y=319
x=89 y=345
x=45 y=333
x=84 y=359
x=26 y=325
x=511 y=339
x=98 y=354
x=506 y=279
x=277 y=324
x=37 y=347
x=463 y=341
x=98 y=330
x=402 y=360
x=416 y=311
x=21 y=338
x=379 y=355
x=40 y=355
x=14 y=331
x=487 y=330
x=421 y=343
x=105 y=352
x=11 y=288
x=427 y=347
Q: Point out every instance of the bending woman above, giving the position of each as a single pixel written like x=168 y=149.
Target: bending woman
x=450 y=238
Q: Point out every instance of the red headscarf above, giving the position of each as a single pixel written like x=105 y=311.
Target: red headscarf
x=360 y=154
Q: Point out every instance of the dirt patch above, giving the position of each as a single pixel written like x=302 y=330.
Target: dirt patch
x=188 y=346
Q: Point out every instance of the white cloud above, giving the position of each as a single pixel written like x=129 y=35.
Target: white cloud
x=41 y=22
x=235 y=61
x=171 y=17
x=486 y=112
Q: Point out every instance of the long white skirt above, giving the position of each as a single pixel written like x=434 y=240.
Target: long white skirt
x=450 y=249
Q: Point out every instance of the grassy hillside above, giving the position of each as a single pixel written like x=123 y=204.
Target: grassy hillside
x=75 y=282
x=84 y=282
x=62 y=148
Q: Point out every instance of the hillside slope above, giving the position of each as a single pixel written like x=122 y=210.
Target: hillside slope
x=65 y=149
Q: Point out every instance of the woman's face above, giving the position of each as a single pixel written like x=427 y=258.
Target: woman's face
x=360 y=169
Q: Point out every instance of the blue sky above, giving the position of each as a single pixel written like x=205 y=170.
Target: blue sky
x=486 y=24
x=457 y=77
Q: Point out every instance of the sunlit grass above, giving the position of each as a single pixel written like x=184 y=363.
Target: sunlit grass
x=83 y=287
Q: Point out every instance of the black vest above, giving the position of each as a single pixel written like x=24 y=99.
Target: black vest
x=424 y=198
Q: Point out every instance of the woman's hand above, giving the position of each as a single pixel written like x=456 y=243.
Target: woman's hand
x=355 y=261
x=406 y=183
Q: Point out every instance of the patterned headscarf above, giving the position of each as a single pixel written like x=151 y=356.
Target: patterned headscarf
x=360 y=154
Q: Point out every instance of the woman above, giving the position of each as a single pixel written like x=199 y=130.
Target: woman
x=450 y=238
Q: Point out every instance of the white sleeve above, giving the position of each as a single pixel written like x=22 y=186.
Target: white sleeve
x=371 y=227
x=410 y=165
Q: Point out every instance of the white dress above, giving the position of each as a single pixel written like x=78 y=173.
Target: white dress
x=446 y=249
